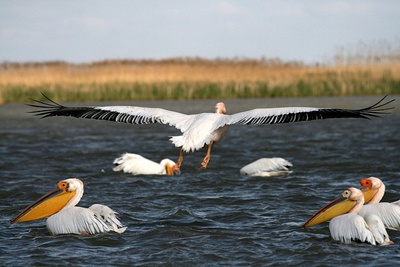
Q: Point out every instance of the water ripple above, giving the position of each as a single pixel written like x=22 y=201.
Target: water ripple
x=214 y=217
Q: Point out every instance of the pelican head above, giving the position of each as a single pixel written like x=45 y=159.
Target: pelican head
x=69 y=192
x=371 y=183
x=374 y=189
x=339 y=206
x=220 y=108
x=170 y=167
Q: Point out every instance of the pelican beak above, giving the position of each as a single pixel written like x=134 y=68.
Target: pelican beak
x=47 y=205
x=368 y=194
x=337 y=207
x=172 y=169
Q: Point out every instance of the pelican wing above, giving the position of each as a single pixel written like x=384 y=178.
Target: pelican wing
x=126 y=114
x=109 y=217
x=389 y=213
x=76 y=220
x=350 y=227
x=296 y=114
x=377 y=229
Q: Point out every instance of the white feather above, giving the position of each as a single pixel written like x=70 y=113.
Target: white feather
x=75 y=220
x=350 y=227
x=267 y=167
x=388 y=212
x=109 y=217
x=377 y=229
x=139 y=165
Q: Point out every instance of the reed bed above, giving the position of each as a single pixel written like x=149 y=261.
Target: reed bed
x=194 y=78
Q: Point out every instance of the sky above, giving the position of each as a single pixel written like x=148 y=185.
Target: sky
x=81 y=31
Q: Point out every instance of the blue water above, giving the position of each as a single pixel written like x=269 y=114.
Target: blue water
x=212 y=217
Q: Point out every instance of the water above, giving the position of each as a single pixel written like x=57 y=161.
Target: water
x=213 y=217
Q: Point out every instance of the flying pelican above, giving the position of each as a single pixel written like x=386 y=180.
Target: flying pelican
x=137 y=165
x=205 y=129
x=353 y=227
x=388 y=212
x=267 y=167
x=65 y=217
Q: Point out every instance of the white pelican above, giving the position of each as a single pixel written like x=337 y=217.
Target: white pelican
x=267 y=167
x=332 y=209
x=137 y=165
x=353 y=227
x=205 y=129
x=65 y=217
x=388 y=212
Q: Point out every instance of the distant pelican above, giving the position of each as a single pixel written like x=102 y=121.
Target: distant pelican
x=388 y=212
x=65 y=217
x=205 y=129
x=267 y=167
x=350 y=227
x=138 y=165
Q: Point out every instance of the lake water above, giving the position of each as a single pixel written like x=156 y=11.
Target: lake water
x=212 y=217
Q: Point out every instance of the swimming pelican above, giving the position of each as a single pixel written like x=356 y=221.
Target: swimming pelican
x=205 y=129
x=388 y=212
x=137 y=165
x=353 y=227
x=333 y=209
x=267 y=167
x=65 y=217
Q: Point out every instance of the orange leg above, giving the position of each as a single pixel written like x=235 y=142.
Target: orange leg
x=180 y=160
x=207 y=157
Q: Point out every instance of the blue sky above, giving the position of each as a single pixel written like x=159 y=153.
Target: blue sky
x=92 y=30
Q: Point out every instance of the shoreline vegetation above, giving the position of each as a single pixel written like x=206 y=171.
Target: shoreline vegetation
x=198 y=78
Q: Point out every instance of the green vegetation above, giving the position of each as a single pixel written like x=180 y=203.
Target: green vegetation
x=369 y=71
x=204 y=90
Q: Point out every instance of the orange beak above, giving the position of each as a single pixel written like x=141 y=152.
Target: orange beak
x=47 y=205
x=172 y=169
x=335 y=208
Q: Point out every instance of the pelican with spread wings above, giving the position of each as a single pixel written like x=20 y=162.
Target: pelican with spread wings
x=205 y=129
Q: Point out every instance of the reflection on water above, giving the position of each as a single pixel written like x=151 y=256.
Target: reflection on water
x=210 y=217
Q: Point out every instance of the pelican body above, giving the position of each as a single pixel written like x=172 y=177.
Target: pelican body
x=205 y=129
x=138 y=165
x=267 y=167
x=63 y=215
x=351 y=227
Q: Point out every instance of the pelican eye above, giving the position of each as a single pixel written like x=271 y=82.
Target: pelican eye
x=63 y=186
x=346 y=193
x=368 y=182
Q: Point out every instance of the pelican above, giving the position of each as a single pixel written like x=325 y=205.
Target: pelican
x=205 y=129
x=333 y=209
x=267 y=167
x=350 y=227
x=65 y=217
x=137 y=165
x=388 y=212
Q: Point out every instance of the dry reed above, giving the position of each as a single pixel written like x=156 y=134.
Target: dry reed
x=188 y=78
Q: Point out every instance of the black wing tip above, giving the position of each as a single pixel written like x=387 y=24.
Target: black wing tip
x=46 y=108
x=379 y=108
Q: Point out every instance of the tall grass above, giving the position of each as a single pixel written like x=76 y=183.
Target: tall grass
x=196 y=78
